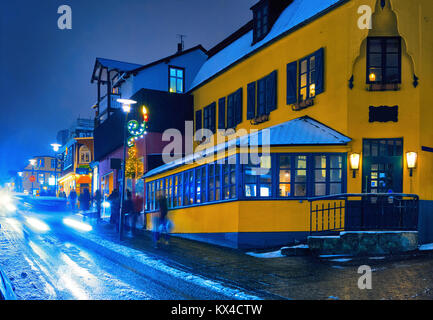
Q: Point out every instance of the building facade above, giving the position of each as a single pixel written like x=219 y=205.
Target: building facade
x=160 y=87
x=326 y=102
x=41 y=178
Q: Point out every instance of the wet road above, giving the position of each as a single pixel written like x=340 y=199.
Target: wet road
x=46 y=260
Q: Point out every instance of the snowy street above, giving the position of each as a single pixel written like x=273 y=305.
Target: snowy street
x=45 y=259
x=57 y=256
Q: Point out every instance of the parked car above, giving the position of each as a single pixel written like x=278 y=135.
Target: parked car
x=6 y=288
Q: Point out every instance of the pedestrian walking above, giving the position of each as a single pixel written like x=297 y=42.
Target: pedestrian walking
x=160 y=223
x=114 y=199
x=129 y=209
x=73 y=199
x=97 y=198
x=84 y=200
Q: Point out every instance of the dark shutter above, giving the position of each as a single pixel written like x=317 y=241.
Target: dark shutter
x=230 y=113
x=198 y=120
x=222 y=113
x=271 y=92
x=261 y=97
x=292 y=79
x=212 y=117
x=238 y=106
x=320 y=66
x=251 y=101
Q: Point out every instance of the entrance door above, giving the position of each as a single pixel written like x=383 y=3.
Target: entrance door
x=382 y=166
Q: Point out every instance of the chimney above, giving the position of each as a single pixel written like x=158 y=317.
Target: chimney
x=179 y=47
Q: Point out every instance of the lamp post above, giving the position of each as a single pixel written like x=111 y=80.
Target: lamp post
x=32 y=163
x=56 y=148
x=126 y=106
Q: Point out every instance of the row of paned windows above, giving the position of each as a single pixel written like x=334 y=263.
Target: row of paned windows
x=305 y=80
x=276 y=176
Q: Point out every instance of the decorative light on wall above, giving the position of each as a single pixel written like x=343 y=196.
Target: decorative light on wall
x=411 y=158
x=354 y=162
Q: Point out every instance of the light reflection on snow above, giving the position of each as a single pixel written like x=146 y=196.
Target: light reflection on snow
x=16 y=226
x=77 y=224
x=37 y=225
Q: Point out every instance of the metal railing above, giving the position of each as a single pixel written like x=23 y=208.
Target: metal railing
x=364 y=212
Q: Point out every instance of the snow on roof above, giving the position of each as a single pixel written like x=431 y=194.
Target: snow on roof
x=294 y=15
x=300 y=131
x=118 y=65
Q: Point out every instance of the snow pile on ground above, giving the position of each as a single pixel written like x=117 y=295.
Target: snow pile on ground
x=266 y=255
x=426 y=247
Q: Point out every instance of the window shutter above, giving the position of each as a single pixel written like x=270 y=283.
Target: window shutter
x=251 y=101
x=292 y=79
x=238 y=106
x=261 y=97
x=230 y=119
x=271 y=92
x=320 y=66
x=212 y=117
x=222 y=113
x=198 y=120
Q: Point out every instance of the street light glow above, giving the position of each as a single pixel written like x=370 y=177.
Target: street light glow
x=56 y=146
x=126 y=104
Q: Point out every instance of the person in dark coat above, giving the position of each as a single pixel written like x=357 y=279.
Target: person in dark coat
x=129 y=209
x=97 y=198
x=72 y=199
x=114 y=199
x=84 y=199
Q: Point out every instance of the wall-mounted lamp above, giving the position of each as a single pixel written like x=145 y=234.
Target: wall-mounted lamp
x=354 y=162
x=411 y=158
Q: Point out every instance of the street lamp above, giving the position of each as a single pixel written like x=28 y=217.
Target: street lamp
x=56 y=148
x=126 y=106
x=32 y=163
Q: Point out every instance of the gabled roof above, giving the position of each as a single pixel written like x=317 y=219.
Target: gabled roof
x=111 y=65
x=117 y=65
x=296 y=15
x=166 y=59
x=303 y=131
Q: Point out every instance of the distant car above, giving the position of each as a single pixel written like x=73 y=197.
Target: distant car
x=6 y=288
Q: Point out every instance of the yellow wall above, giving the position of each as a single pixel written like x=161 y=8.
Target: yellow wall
x=339 y=107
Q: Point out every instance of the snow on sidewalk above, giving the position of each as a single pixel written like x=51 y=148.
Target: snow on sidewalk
x=426 y=247
x=160 y=265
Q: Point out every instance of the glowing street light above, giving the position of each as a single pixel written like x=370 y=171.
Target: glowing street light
x=126 y=106
x=56 y=146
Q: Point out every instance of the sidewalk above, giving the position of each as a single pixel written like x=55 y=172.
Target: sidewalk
x=285 y=277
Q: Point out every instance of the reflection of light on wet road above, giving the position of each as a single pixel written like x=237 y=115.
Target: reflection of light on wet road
x=37 y=225
x=73 y=287
x=38 y=250
x=77 y=269
x=16 y=226
x=77 y=224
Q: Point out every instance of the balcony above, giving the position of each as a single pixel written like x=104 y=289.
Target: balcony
x=103 y=104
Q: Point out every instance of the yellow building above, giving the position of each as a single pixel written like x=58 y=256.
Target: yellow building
x=77 y=156
x=333 y=100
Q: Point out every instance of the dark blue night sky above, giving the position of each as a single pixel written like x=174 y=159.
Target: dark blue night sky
x=45 y=72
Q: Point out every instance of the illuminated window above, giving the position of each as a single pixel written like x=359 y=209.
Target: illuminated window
x=177 y=80
x=307 y=78
x=84 y=154
x=384 y=60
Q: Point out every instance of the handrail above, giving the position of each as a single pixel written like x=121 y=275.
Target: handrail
x=347 y=195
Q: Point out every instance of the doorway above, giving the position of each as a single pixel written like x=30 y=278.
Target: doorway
x=382 y=166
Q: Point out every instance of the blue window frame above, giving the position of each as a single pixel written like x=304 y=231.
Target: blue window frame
x=177 y=79
x=258 y=178
x=277 y=176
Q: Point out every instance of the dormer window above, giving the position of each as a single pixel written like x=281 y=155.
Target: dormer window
x=261 y=21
